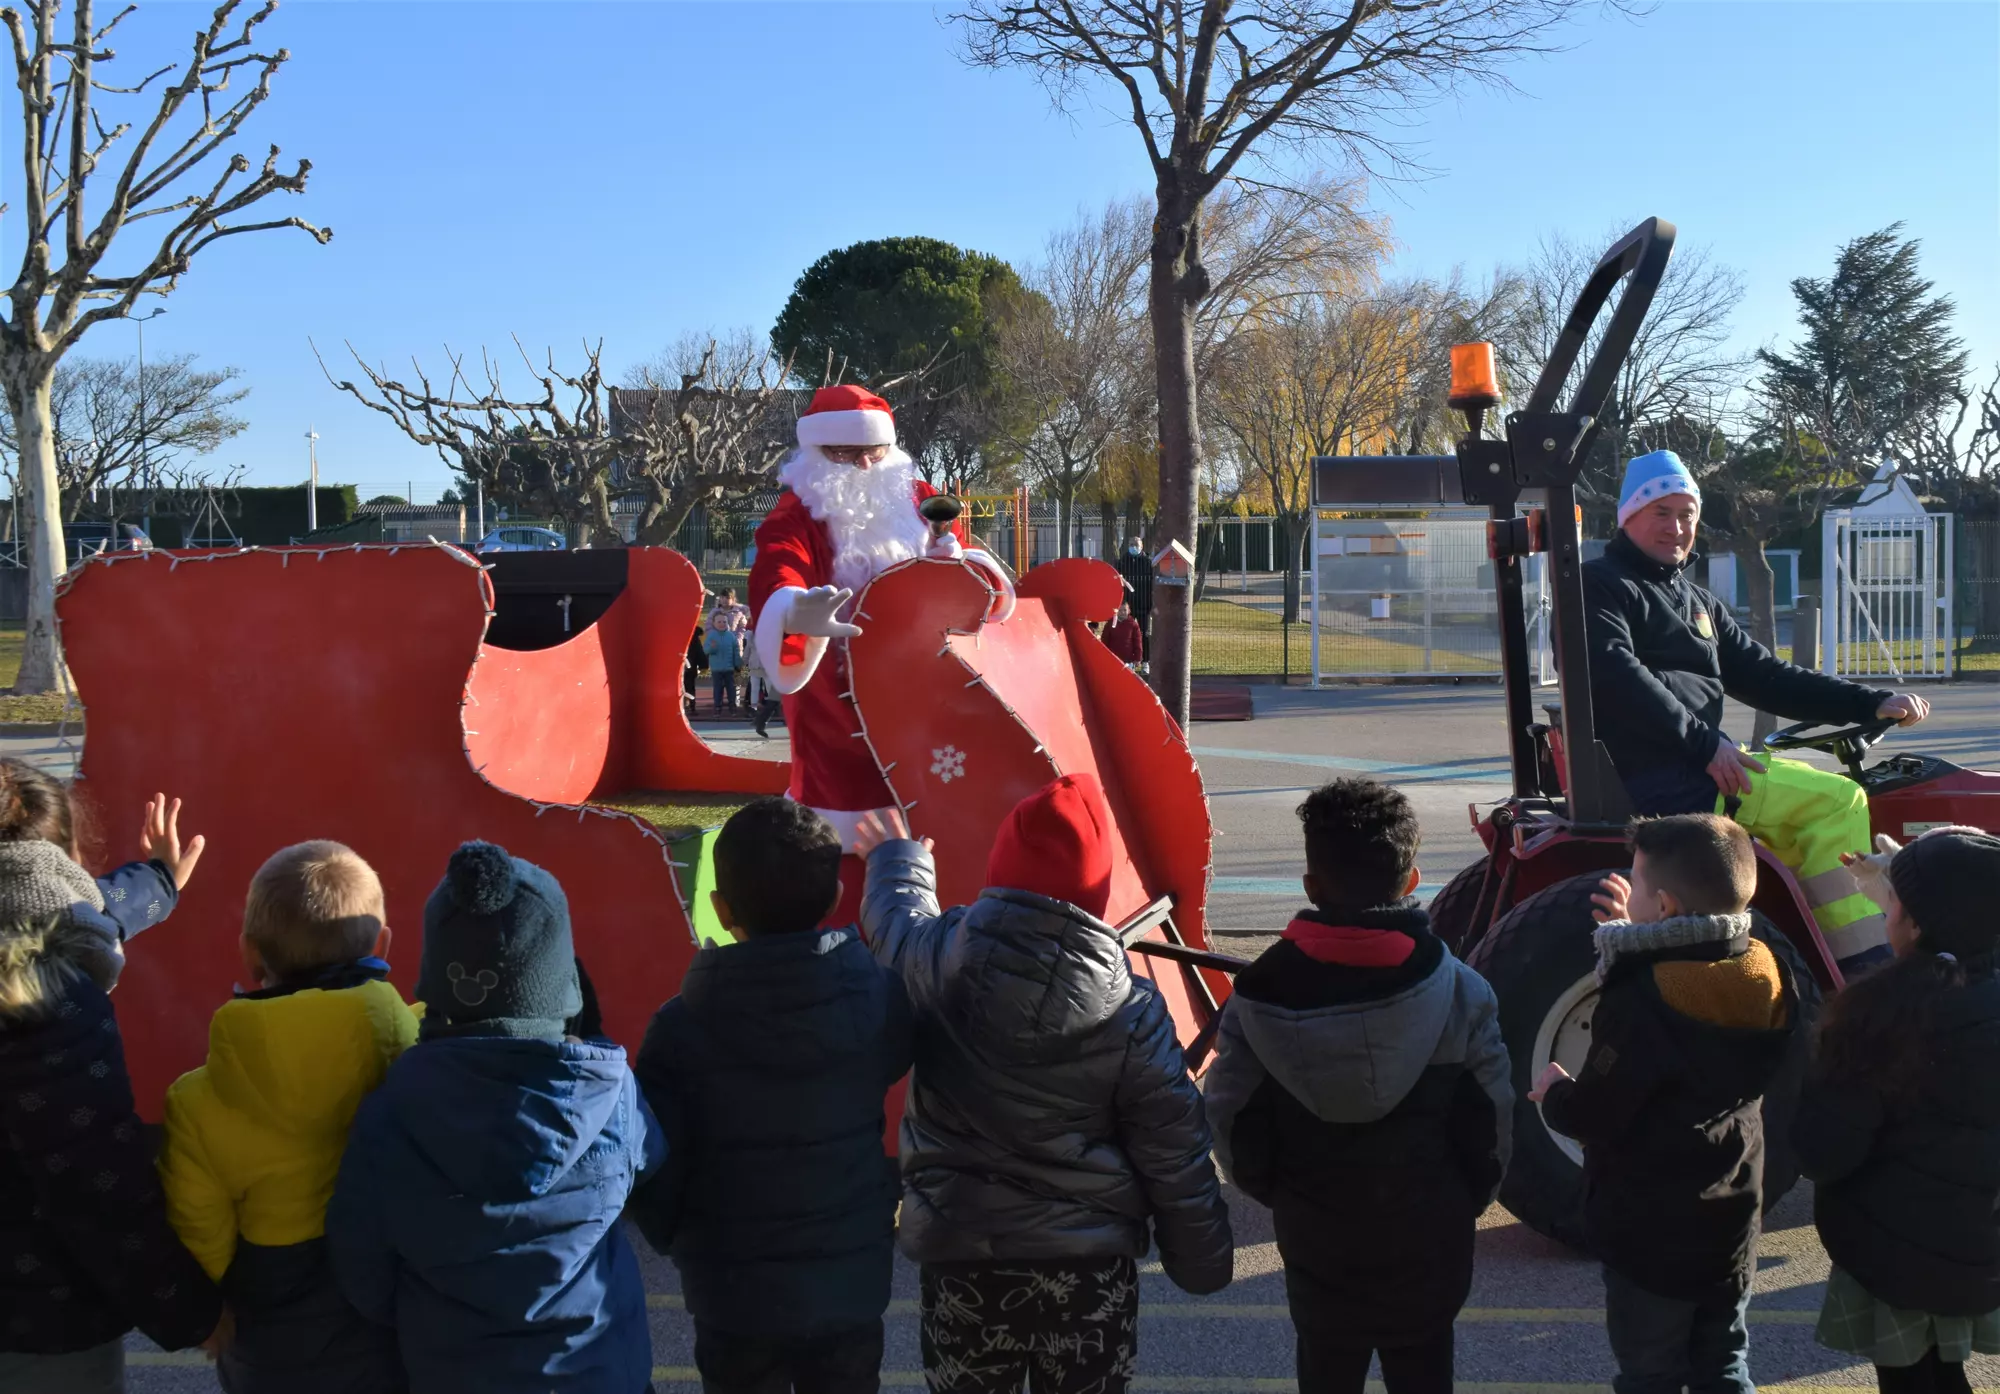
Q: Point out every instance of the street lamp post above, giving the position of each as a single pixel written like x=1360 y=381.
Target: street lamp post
x=145 y=456
x=312 y=479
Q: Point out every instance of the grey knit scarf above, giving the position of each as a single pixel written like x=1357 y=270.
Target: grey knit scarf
x=1618 y=939
x=40 y=883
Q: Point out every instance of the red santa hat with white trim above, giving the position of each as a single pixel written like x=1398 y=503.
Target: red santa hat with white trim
x=847 y=415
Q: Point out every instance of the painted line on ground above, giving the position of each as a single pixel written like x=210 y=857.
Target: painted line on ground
x=1286 y=885
x=1236 y=1384
x=1394 y=771
x=1278 y=1311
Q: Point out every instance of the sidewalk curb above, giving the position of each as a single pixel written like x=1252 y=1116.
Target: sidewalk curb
x=39 y=728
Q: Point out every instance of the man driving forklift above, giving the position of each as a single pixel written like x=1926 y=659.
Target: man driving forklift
x=1664 y=653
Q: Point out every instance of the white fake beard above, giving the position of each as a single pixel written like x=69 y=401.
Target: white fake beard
x=870 y=513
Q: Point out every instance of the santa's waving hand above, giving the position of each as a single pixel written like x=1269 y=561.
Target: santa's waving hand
x=848 y=513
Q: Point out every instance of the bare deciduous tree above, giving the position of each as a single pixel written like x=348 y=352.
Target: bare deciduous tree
x=1069 y=353
x=1680 y=357
x=552 y=453
x=67 y=152
x=114 y=433
x=709 y=418
x=1208 y=87
x=1326 y=376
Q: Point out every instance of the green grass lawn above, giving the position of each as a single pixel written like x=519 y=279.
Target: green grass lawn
x=676 y=811
x=48 y=706
x=1233 y=639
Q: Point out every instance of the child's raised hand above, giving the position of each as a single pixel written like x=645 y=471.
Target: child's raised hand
x=880 y=826
x=1551 y=1072
x=160 y=840
x=1613 y=899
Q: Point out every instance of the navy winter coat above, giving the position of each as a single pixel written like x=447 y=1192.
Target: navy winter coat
x=477 y=1211
x=138 y=895
x=86 y=1252
x=767 y=1074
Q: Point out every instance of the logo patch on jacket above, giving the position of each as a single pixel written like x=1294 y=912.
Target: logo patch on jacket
x=1702 y=626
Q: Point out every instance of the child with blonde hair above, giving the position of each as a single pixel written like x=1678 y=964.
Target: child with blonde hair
x=254 y=1137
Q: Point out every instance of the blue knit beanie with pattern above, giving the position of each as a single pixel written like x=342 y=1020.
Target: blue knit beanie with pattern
x=1650 y=478
x=497 y=958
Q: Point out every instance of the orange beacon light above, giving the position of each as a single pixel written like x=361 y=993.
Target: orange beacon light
x=1473 y=380
x=1475 y=386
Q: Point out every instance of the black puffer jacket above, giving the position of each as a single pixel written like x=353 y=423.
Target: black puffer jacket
x=1364 y=1097
x=767 y=1074
x=1050 y=1113
x=86 y=1252
x=1664 y=653
x=1908 y=1188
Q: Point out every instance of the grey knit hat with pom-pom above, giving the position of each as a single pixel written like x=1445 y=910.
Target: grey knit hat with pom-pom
x=497 y=958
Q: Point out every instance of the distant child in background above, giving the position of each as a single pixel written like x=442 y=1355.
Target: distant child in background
x=1361 y=1090
x=1694 y=1019
x=1051 y=1122
x=478 y=1202
x=767 y=1074
x=730 y=612
x=1124 y=638
x=1899 y=1124
x=254 y=1137
x=86 y=1250
x=723 y=643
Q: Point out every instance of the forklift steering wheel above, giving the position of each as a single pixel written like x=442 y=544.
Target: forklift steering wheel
x=1865 y=734
x=1846 y=744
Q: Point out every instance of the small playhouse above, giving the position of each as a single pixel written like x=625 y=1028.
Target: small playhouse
x=404 y=699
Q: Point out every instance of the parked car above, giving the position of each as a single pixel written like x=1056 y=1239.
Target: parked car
x=522 y=540
x=86 y=538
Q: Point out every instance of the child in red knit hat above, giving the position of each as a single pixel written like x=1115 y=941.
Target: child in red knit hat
x=1051 y=1121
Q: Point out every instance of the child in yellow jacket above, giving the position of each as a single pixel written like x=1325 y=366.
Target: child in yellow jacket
x=254 y=1138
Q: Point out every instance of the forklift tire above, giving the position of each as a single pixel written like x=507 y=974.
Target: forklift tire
x=1541 y=962
x=1451 y=909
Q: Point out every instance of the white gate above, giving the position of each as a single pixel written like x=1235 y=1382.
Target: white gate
x=1887 y=579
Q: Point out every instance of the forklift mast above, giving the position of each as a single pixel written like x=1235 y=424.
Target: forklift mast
x=1541 y=451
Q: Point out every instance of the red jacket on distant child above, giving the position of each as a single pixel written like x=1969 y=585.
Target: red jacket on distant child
x=1125 y=639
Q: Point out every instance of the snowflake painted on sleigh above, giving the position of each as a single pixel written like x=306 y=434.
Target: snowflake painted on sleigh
x=948 y=763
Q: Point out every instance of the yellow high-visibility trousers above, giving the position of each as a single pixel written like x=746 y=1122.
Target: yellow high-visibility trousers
x=1809 y=816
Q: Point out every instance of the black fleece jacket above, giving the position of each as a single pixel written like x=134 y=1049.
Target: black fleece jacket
x=1664 y=653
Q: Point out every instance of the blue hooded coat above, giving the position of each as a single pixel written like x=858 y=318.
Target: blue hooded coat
x=477 y=1210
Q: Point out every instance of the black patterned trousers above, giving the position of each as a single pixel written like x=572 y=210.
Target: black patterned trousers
x=1064 y=1326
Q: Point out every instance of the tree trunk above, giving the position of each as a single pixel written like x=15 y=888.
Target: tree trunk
x=1107 y=515
x=1178 y=283
x=27 y=389
x=1747 y=546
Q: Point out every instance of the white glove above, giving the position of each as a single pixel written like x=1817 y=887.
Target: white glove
x=946 y=548
x=816 y=613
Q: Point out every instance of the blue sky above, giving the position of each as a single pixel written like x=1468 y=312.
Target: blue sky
x=631 y=171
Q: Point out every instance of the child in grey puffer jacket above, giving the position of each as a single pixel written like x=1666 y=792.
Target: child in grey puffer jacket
x=1050 y=1120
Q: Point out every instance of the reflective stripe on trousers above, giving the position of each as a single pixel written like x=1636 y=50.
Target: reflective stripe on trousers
x=1808 y=817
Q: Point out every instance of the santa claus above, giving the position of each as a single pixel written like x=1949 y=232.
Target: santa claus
x=849 y=512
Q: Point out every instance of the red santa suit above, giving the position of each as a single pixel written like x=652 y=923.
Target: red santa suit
x=837 y=525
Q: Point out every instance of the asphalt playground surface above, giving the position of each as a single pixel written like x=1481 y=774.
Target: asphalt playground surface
x=1534 y=1321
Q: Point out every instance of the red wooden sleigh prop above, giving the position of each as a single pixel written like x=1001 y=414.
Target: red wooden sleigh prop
x=966 y=718
x=349 y=693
